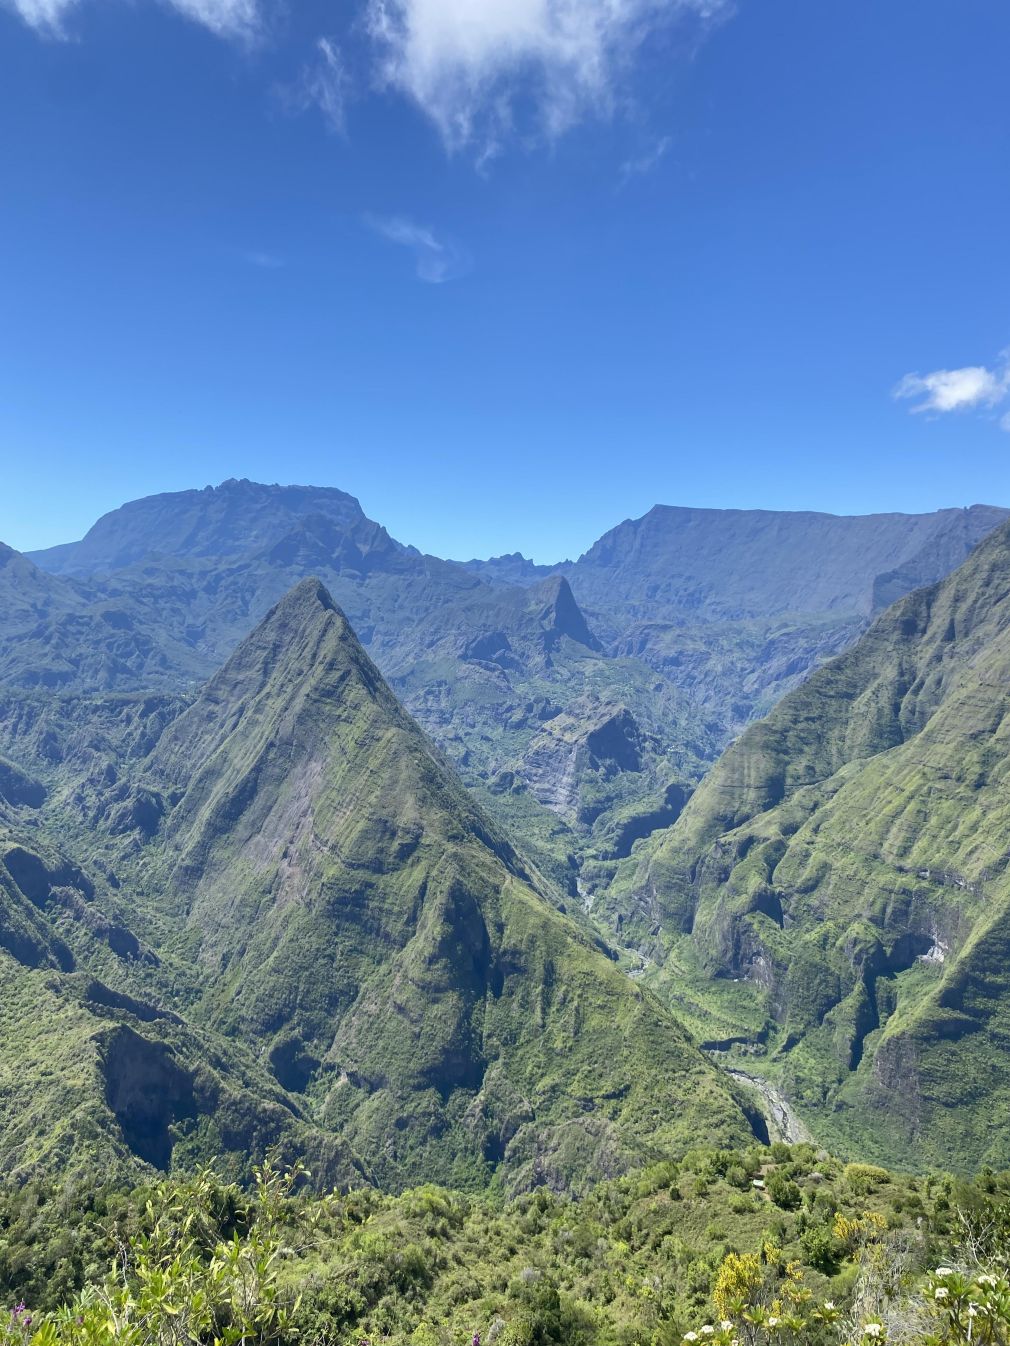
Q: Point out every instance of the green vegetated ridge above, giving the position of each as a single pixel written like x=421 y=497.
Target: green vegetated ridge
x=655 y=646
x=757 y=1243
x=237 y=872
x=302 y=931
x=835 y=895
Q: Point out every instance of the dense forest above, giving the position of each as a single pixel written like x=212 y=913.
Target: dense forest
x=764 y=1245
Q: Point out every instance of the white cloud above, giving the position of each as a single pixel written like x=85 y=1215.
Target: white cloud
x=227 y=18
x=970 y=388
x=474 y=65
x=324 y=84
x=45 y=16
x=436 y=260
x=236 y=19
x=645 y=163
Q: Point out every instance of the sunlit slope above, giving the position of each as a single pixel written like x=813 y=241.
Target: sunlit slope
x=846 y=860
x=355 y=914
x=94 y=1078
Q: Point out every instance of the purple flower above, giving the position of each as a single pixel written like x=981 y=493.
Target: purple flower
x=476 y=1339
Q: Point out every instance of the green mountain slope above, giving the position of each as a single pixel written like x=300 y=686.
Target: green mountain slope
x=286 y=921
x=837 y=888
x=95 y=1079
x=185 y=576
x=691 y=622
x=60 y=634
x=350 y=910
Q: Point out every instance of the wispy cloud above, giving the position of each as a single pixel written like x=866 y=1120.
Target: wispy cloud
x=263 y=261
x=45 y=16
x=486 y=72
x=227 y=18
x=642 y=164
x=970 y=388
x=323 y=84
x=234 y=19
x=436 y=260
x=472 y=66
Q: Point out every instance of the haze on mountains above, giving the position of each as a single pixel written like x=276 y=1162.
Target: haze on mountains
x=837 y=889
x=301 y=931
x=245 y=888
x=582 y=701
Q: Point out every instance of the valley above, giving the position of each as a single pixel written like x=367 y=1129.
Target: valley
x=596 y=949
x=397 y=938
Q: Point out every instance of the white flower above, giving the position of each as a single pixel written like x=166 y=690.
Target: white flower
x=773 y=1321
x=726 y=1325
x=990 y=1281
x=873 y=1330
x=943 y=1271
x=707 y=1330
x=972 y=1310
x=690 y=1336
x=829 y=1304
x=941 y=1293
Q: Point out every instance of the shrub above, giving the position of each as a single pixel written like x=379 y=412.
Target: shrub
x=784 y=1192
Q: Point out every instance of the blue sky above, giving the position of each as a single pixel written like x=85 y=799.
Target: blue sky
x=508 y=270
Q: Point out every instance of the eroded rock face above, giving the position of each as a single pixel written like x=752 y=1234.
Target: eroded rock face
x=601 y=740
x=291 y=1065
x=37 y=880
x=148 y=1091
x=19 y=789
x=616 y=742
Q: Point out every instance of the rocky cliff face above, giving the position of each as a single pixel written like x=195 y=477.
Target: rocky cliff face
x=364 y=922
x=694 y=620
x=847 y=861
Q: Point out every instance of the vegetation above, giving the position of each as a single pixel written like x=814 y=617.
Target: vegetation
x=835 y=896
x=321 y=942
x=715 y=1248
x=267 y=916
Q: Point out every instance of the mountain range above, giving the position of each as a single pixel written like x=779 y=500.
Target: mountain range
x=673 y=631
x=288 y=923
x=483 y=871
x=836 y=892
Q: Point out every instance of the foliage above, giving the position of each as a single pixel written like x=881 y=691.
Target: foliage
x=638 y=1261
x=852 y=845
x=180 y=1279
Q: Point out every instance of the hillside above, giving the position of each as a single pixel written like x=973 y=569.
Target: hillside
x=644 y=1258
x=483 y=667
x=98 y=1074
x=354 y=914
x=213 y=825
x=293 y=889
x=687 y=623
x=836 y=892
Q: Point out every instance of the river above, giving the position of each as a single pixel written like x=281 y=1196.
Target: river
x=783 y=1124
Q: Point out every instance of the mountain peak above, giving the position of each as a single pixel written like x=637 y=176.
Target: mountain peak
x=560 y=614
x=309 y=594
x=362 y=922
x=234 y=519
x=302 y=652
